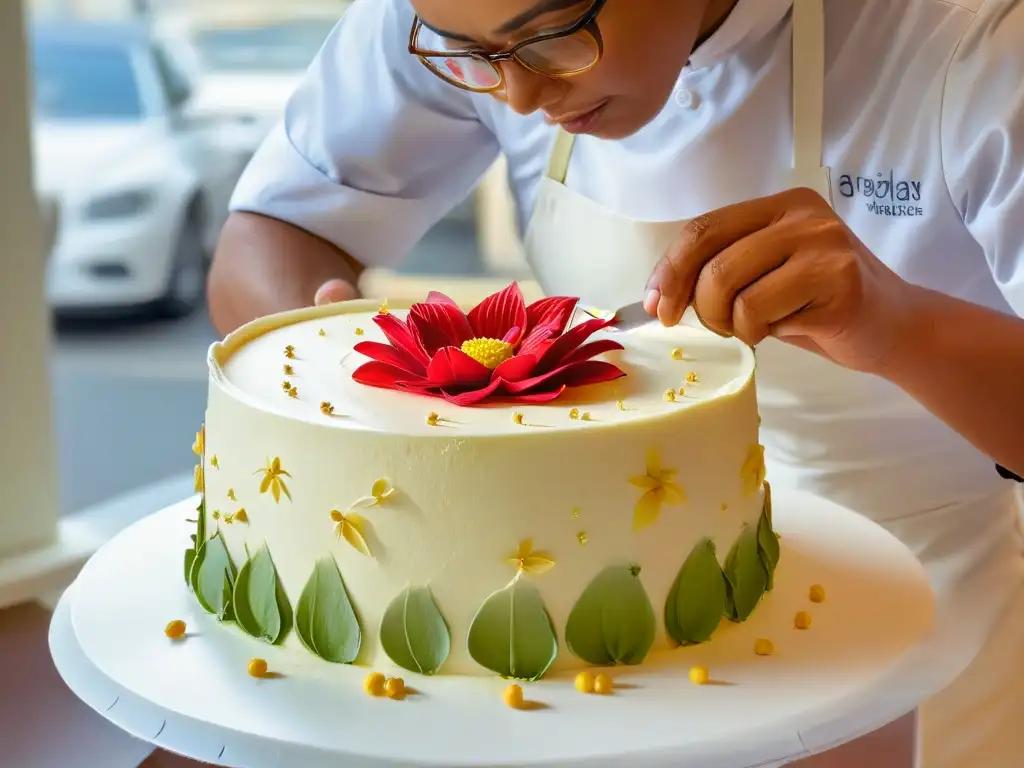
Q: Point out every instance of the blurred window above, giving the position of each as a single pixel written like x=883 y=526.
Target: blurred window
x=289 y=45
x=81 y=81
x=176 y=86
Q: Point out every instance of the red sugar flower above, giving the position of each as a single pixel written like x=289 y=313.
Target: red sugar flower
x=501 y=350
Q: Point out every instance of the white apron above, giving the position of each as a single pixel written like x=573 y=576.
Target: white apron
x=820 y=421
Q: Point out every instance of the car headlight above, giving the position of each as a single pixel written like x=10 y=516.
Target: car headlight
x=121 y=205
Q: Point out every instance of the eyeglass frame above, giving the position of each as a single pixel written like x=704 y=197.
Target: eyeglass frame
x=588 y=22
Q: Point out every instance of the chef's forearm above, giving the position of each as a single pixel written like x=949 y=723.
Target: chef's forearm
x=264 y=265
x=965 y=363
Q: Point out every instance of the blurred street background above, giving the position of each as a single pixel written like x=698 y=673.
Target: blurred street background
x=145 y=113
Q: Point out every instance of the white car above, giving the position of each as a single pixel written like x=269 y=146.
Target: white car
x=250 y=57
x=142 y=187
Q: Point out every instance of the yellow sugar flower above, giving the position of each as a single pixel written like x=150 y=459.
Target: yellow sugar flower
x=659 y=488
x=349 y=526
x=199 y=479
x=381 y=491
x=528 y=561
x=273 y=480
x=199 y=446
x=753 y=472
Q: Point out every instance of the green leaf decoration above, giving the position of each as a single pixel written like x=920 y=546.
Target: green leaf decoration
x=213 y=578
x=698 y=598
x=325 y=620
x=746 y=575
x=613 y=621
x=261 y=607
x=512 y=633
x=197 y=539
x=767 y=541
x=414 y=633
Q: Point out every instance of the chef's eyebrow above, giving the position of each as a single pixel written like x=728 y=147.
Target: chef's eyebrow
x=512 y=25
x=542 y=7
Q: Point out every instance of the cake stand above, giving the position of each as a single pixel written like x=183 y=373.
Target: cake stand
x=878 y=646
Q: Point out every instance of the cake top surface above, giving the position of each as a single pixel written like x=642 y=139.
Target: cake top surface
x=349 y=366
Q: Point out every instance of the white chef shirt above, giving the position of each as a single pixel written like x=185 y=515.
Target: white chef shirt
x=923 y=130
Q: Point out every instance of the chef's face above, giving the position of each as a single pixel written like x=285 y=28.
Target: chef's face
x=646 y=43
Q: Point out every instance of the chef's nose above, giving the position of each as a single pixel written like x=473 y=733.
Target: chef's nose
x=527 y=91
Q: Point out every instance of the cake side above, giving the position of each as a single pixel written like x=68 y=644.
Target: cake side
x=590 y=503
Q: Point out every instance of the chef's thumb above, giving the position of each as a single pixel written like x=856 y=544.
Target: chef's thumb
x=334 y=291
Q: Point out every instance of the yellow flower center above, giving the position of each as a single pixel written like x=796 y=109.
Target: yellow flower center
x=490 y=353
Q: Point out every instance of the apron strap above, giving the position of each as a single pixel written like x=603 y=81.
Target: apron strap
x=561 y=153
x=808 y=83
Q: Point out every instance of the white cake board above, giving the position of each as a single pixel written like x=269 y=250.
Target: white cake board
x=876 y=649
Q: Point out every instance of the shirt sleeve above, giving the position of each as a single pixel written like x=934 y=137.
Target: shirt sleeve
x=373 y=149
x=982 y=134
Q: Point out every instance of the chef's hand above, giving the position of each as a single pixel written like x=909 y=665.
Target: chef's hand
x=785 y=266
x=334 y=291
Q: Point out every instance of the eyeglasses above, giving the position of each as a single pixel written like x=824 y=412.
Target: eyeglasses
x=569 y=52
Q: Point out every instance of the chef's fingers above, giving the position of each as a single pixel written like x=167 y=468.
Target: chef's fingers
x=334 y=291
x=775 y=299
x=738 y=267
x=675 y=276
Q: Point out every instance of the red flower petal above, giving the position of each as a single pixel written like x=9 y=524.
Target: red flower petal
x=575 y=375
x=401 y=337
x=451 y=367
x=436 y=297
x=592 y=349
x=384 y=353
x=554 y=311
x=555 y=355
x=539 y=397
x=516 y=368
x=437 y=325
x=512 y=336
x=493 y=317
x=474 y=397
x=375 y=374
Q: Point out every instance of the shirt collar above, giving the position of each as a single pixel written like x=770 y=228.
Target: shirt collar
x=750 y=20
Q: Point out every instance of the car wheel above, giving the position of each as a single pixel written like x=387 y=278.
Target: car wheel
x=186 y=285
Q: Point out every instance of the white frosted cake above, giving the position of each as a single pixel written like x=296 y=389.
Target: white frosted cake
x=510 y=491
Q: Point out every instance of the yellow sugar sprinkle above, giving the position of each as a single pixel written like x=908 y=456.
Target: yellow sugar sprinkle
x=602 y=684
x=293 y=392
x=691 y=378
x=394 y=688
x=585 y=416
x=816 y=594
x=231 y=494
x=286 y=386
x=517 y=417
x=288 y=370
x=725 y=507
x=581 y=537
x=321 y=332
x=383 y=309
x=513 y=696
x=620 y=405
x=677 y=354
x=257 y=668
x=764 y=647
x=289 y=352
x=699 y=675
x=574 y=413
x=215 y=462
x=802 y=620
x=575 y=513
x=175 y=629
x=670 y=395
x=584 y=682
x=326 y=408
x=373 y=684
x=432 y=419
x=359 y=331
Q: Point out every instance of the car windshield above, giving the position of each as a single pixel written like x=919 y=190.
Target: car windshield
x=77 y=81
x=286 y=46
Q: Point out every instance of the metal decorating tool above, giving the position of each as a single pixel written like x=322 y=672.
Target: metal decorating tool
x=633 y=316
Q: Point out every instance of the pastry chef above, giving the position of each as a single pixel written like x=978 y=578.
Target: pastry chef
x=838 y=182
